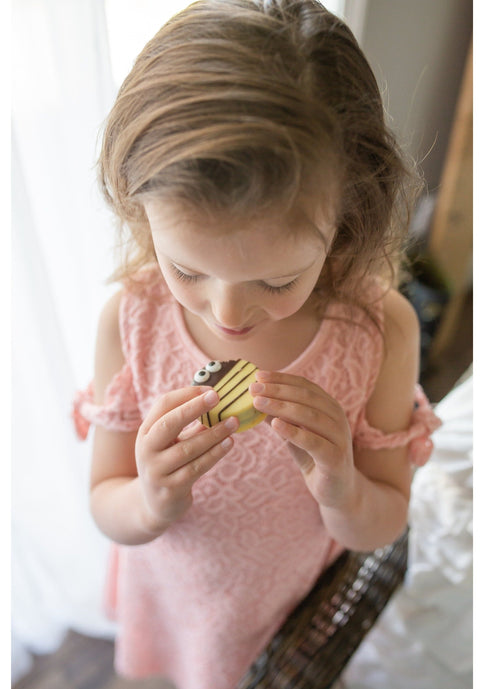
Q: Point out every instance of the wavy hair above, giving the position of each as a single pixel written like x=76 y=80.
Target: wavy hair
x=240 y=106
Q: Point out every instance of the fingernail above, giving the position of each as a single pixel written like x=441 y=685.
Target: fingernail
x=227 y=443
x=262 y=375
x=261 y=402
x=211 y=397
x=231 y=423
x=255 y=388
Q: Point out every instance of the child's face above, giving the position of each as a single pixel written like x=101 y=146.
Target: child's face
x=239 y=277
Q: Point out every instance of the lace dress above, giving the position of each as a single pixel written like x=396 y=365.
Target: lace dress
x=198 y=604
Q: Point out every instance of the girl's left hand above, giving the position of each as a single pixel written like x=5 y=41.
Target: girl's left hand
x=317 y=431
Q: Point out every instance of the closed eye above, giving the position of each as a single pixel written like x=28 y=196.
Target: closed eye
x=271 y=289
x=184 y=277
x=282 y=288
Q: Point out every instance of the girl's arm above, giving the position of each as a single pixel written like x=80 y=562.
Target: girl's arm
x=113 y=470
x=378 y=508
x=141 y=481
x=363 y=495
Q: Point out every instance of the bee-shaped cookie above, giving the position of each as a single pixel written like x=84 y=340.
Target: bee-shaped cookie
x=231 y=380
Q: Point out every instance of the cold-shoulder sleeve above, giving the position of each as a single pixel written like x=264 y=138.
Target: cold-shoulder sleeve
x=417 y=436
x=119 y=411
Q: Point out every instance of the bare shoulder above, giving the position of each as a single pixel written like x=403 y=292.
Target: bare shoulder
x=109 y=357
x=391 y=403
x=401 y=325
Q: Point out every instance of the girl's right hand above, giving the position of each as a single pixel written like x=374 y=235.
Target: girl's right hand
x=169 y=461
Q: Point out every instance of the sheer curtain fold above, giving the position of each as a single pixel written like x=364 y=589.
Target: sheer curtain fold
x=61 y=236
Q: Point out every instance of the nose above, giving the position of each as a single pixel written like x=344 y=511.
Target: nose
x=229 y=305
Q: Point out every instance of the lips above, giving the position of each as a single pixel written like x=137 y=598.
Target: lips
x=235 y=331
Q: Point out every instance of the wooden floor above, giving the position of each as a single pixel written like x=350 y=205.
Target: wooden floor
x=81 y=663
x=85 y=663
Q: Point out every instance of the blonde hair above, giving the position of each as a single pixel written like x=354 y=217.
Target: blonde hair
x=242 y=105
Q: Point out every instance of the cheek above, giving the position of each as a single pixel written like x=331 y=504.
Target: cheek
x=184 y=293
x=289 y=303
x=286 y=305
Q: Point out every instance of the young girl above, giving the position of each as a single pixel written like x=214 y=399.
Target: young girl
x=248 y=156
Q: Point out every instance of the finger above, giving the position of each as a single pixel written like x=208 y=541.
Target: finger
x=175 y=410
x=302 y=415
x=285 y=379
x=300 y=391
x=317 y=447
x=191 y=430
x=191 y=458
x=192 y=448
x=169 y=401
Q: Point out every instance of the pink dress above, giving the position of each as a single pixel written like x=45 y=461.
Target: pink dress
x=198 y=604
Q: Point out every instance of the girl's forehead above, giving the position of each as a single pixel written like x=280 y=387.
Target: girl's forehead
x=306 y=222
x=264 y=248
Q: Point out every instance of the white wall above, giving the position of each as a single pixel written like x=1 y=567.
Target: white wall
x=418 y=48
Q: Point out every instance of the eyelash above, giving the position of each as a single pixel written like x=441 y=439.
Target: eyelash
x=184 y=277
x=278 y=290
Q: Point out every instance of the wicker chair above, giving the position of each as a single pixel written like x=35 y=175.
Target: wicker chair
x=321 y=634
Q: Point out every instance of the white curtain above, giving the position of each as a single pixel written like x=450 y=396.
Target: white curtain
x=61 y=238
x=69 y=57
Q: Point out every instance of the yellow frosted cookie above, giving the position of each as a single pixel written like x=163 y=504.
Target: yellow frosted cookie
x=231 y=380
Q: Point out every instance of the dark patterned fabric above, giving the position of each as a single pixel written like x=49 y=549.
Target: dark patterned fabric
x=320 y=636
